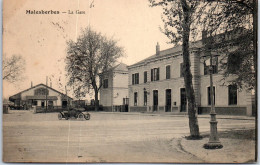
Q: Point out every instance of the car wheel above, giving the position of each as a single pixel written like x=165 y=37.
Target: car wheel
x=87 y=116
x=59 y=116
x=81 y=116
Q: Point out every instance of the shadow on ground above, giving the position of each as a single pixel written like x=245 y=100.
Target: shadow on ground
x=248 y=134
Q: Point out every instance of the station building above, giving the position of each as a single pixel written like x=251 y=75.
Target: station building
x=157 y=84
x=41 y=96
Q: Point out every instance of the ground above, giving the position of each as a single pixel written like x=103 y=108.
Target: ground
x=122 y=137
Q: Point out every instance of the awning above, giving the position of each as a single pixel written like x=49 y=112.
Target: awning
x=41 y=97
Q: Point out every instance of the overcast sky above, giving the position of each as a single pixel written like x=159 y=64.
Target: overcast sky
x=41 y=39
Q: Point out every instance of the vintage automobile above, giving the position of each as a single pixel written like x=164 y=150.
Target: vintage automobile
x=75 y=113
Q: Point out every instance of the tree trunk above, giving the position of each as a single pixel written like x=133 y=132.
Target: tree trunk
x=193 y=121
x=96 y=100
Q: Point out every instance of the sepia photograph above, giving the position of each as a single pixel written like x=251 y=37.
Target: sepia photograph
x=129 y=81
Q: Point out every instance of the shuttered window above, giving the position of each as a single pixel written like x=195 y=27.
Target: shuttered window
x=168 y=72
x=181 y=70
x=155 y=74
x=135 y=78
x=145 y=77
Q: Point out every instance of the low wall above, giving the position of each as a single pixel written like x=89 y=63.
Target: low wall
x=107 y=108
x=138 y=109
x=224 y=110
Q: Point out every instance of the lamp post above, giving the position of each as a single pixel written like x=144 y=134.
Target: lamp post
x=214 y=142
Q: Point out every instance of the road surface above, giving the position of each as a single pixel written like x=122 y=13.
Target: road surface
x=106 y=137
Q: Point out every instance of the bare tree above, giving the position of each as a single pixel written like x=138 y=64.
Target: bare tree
x=178 y=16
x=89 y=56
x=13 y=68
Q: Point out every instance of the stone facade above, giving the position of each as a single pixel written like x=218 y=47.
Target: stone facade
x=115 y=91
x=167 y=94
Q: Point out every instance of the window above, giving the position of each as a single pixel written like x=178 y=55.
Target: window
x=135 y=78
x=105 y=83
x=233 y=62
x=145 y=77
x=41 y=91
x=181 y=70
x=168 y=72
x=155 y=74
x=209 y=100
x=145 y=98
x=125 y=101
x=232 y=95
x=135 y=98
x=214 y=66
x=35 y=102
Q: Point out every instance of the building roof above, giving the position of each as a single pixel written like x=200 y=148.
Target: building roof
x=18 y=95
x=174 y=50
x=120 y=67
x=177 y=50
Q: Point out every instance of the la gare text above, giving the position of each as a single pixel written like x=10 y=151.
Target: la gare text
x=54 y=12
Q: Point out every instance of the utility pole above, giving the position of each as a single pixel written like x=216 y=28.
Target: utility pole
x=67 y=98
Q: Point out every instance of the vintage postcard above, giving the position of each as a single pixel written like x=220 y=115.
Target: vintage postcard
x=129 y=81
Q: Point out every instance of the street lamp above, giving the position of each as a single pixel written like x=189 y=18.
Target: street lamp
x=214 y=142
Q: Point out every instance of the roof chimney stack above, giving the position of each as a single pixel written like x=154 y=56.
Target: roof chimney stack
x=31 y=84
x=204 y=36
x=157 y=49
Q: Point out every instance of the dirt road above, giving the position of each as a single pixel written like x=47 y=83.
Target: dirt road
x=106 y=137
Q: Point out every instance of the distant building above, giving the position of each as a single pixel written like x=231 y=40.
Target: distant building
x=114 y=92
x=157 y=84
x=38 y=96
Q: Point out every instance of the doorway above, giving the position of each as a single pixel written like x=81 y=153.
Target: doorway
x=183 y=100
x=168 y=98
x=64 y=104
x=42 y=104
x=155 y=100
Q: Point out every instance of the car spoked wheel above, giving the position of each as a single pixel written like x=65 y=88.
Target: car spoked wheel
x=87 y=116
x=59 y=116
x=81 y=116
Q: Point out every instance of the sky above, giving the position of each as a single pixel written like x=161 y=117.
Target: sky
x=41 y=38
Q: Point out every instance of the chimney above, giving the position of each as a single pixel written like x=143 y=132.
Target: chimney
x=50 y=84
x=31 y=84
x=204 y=35
x=157 y=49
